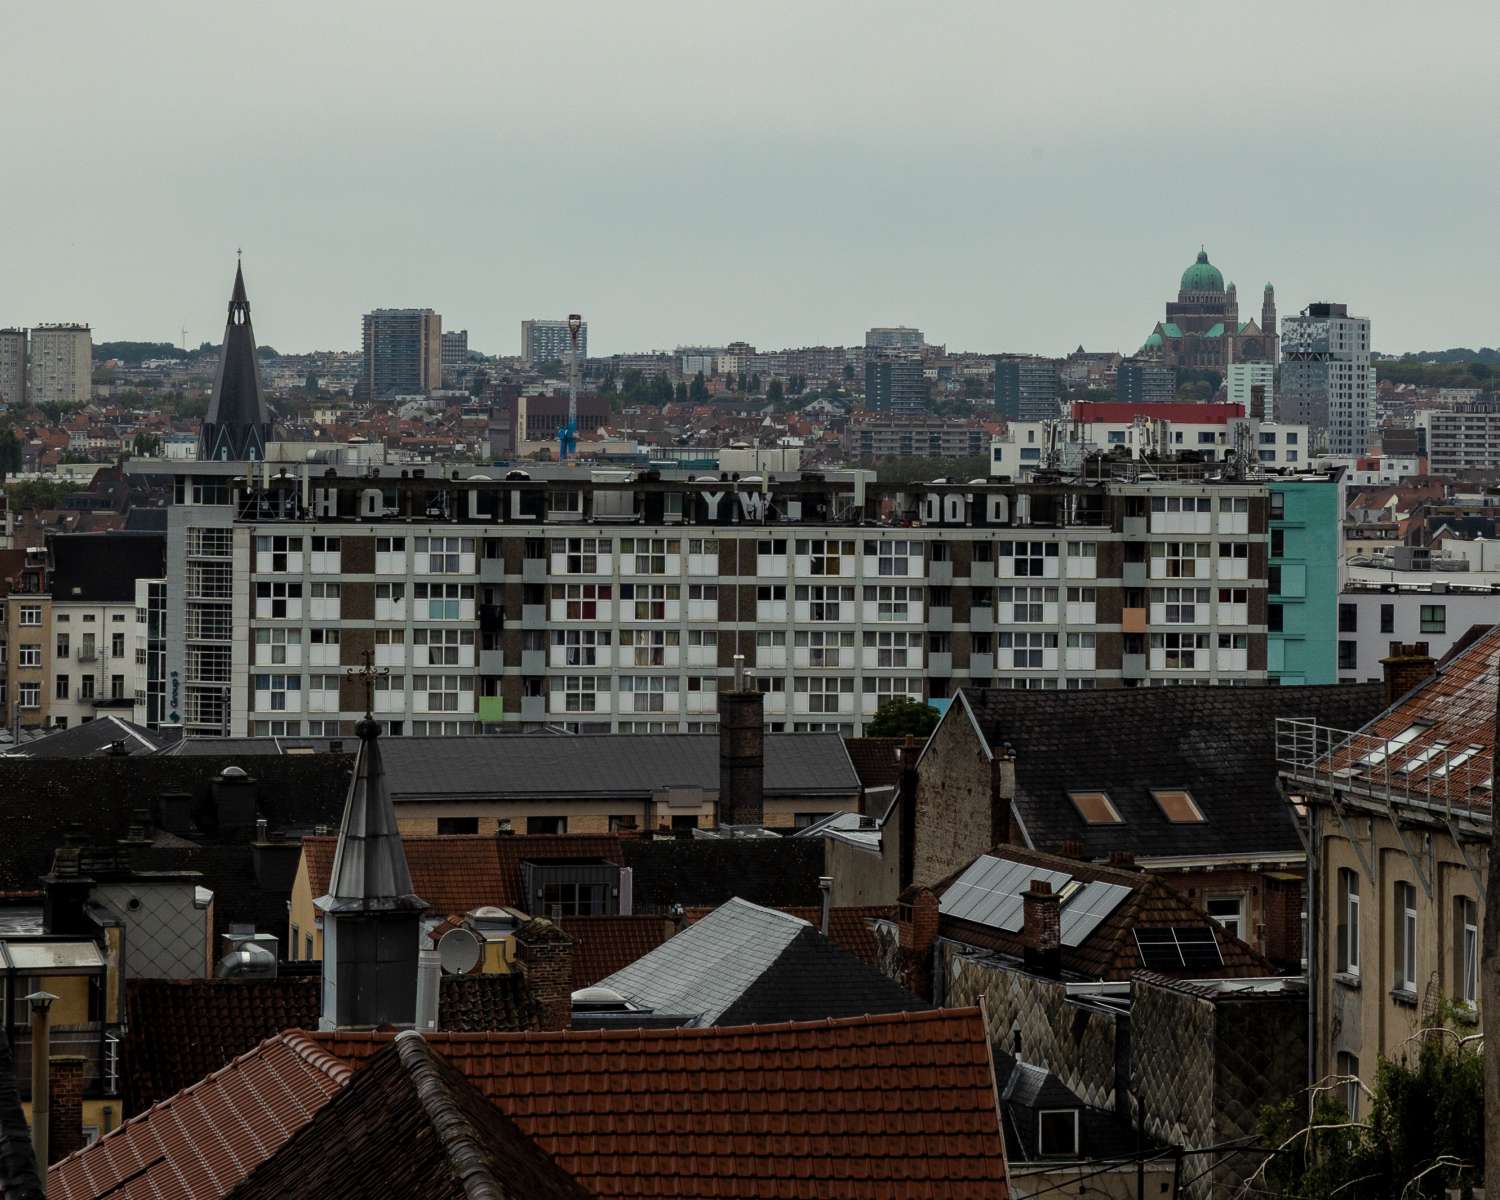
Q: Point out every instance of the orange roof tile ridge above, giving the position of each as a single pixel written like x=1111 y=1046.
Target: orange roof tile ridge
x=161 y=1106
x=314 y=1055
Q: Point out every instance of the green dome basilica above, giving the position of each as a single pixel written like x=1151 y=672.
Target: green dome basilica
x=1203 y=276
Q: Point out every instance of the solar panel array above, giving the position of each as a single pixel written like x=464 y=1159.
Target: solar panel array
x=1186 y=948
x=1084 y=912
x=989 y=892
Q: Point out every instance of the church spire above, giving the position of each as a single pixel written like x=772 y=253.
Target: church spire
x=236 y=428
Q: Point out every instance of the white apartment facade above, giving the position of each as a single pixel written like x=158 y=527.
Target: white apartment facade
x=1245 y=377
x=489 y=601
x=1026 y=445
x=1463 y=438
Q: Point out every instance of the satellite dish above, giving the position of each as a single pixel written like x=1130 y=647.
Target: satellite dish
x=458 y=951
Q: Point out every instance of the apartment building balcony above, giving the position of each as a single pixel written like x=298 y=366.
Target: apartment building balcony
x=491 y=570
x=533 y=708
x=982 y=618
x=1134 y=528
x=1133 y=666
x=533 y=662
x=1133 y=574
x=940 y=618
x=1132 y=620
x=491 y=662
x=533 y=616
x=939 y=574
x=534 y=570
x=981 y=574
x=940 y=664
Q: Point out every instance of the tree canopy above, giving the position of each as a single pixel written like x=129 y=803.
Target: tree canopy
x=902 y=715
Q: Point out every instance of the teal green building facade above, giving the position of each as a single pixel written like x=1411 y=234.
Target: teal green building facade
x=1305 y=547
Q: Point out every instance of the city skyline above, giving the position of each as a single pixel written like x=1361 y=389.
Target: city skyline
x=797 y=200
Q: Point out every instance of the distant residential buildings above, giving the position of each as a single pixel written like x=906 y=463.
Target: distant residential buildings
x=894 y=337
x=1026 y=387
x=1327 y=381
x=12 y=366
x=61 y=364
x=894 y=384
x=403 y=352
x=1144 y=381
x=547 y=341
x=1465 y=438
x=914 y=437
x=1244 y=378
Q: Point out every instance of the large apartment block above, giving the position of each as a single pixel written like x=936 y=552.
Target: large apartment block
x=619 y=601
x=544 y=341
x=403 y=352
x=12 y=366
x=1327 y=381
x=1464 y=438
x=61 y=364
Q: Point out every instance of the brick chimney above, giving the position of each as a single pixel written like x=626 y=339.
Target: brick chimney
x=906 y=821
x=918 y=926
x=1405 y=667
x=742 y=752
x=1041 y=936
x=65 y=1116
x=546 y=954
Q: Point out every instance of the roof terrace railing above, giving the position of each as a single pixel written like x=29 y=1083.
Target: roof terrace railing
x=1410 y=769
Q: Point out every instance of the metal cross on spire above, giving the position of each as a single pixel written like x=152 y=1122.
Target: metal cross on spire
x=369 y=673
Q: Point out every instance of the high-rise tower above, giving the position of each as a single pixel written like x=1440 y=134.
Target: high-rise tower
x=236 y=429
x=1268 y=323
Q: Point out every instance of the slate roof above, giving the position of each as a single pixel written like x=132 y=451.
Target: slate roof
x=208 y=1137
x=18 y=1174
x=617 y=765
x=369 y=871
x=876 y=760
x=898 y=1105
x=849 y=926
x=410 y=1125
x=1218 y=743
x=94 y=737
x=1026 y=1089
x=103 y=567
x=743 y=963
x=1110 y=952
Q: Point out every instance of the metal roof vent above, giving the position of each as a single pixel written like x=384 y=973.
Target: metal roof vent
x=250 y=956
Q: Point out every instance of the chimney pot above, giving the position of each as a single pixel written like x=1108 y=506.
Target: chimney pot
x=825 y=885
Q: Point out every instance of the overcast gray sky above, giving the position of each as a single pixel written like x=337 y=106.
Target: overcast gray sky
x=1003 y=175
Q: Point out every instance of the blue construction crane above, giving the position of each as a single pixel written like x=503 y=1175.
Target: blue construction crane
x=567 y=436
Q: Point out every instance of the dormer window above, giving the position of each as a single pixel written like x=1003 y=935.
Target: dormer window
x=1178 y=806
x=1096 y=808
x=1057 y=1133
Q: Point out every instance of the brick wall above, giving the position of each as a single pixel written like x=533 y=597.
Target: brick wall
x=546 y=954
x=65 y=1119
x=954 y=818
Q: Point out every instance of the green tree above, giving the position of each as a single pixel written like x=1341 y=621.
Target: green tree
x=848 y=370
x=698 y=391
x=10 y=452
x=146 y=445
x=310 y=384
x=755 y=384
x=902 y=715
x=680 y=393
x=775 y=393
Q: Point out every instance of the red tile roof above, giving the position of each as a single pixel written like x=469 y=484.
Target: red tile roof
x=899 y=1105
x=458 y=873
x=602 y=945
x=207 y=1138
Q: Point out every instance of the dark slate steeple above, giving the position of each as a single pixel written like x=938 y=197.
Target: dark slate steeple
x=236 y=429
x=371 y=917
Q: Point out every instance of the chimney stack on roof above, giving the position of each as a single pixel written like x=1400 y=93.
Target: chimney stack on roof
x=1041 y=938
x=742 y=752
x=1405 y=667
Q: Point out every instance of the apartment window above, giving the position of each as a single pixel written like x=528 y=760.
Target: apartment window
x=1057 y=1133
x=892 y=649
x=29 y=695
x=580 y=647
x=442 y=693
x=823 y=601
x=825 y=647
x=1348 y=1069
x=277 y=554
x=824 y=557
x=1180 y=560
x=622 y=823
x=535 y=825
x=1466 y=949
x=443 y=555
x=62 y=687
x=62 y=645
x=1027 y=651
x=823 y=692
x=1278 y=543
x=1178 y=651
x=1030 y=558
x=31 y=614
x=443 y=647
x=325 y=556
x=1405 y=908
x=1180 y=606
x=324 y=649
x=894 y=558
x=390 y=556
x=1387 y=618
x=647 y=556
x=1434 y=618
x=580 y=693
x=1348 y=655
x=390 y=601
x=278 y=601
x=442 y=601
x=893 y=603
x=1027 y=605
x=581 y=600
x=649 y=692
x=278 y=647
x=324 y=602
x=1274 y=618
x=85 y=687
x=278 y=693
x=1229 y=912
x=1348 y=618
x=1348 y=921
x=580 y=556
x=453 y=826
x=29 y=655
